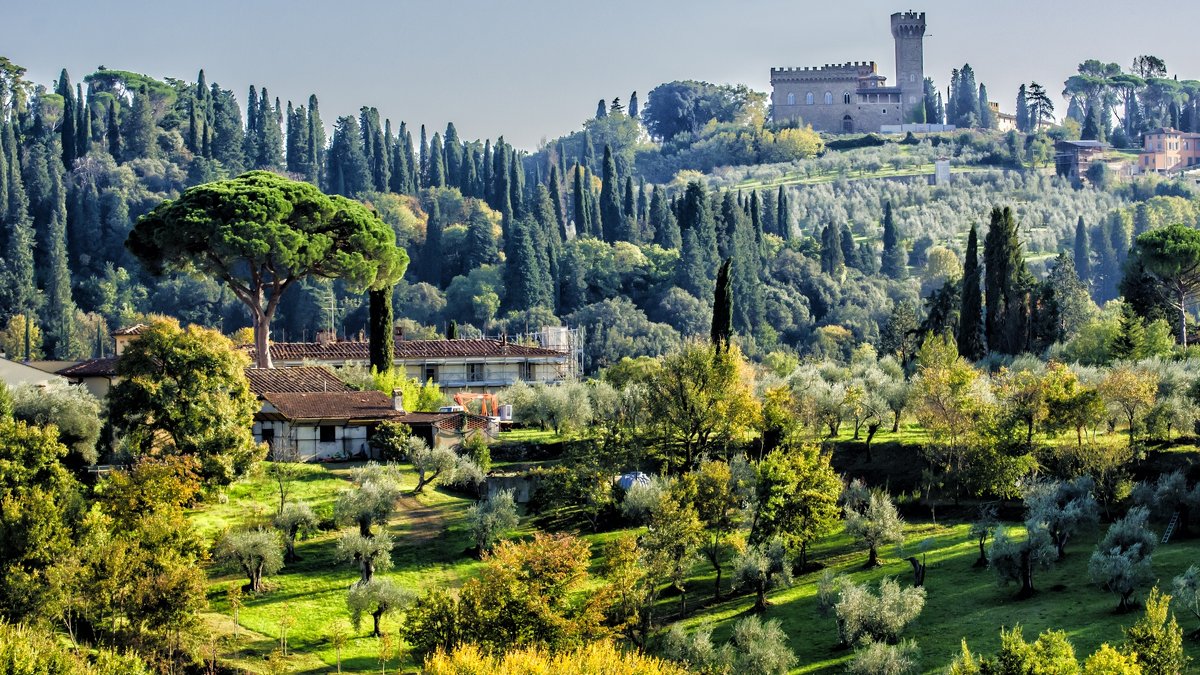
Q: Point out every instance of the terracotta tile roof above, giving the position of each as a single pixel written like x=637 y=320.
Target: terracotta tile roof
x=135 y=329
x=405 y=349
x=105 y=367
x=293 y=380
x=341 y=405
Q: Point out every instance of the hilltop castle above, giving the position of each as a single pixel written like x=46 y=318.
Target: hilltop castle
x=854 y=97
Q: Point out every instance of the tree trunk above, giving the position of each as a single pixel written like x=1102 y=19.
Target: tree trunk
x=982 y=561
x=682 y=601
x=803 y=555
x=895 y=421
x=262 y=339
x=1183 y=316
x=760 y=600
x=368 y=570
x=717 y=585
x=873 y=557
x=1026 y=575
x=290 y=542
x=872 y=429
x=918 y=571
x=375 y=617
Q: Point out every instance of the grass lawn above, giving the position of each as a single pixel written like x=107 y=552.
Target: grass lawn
x=962 y=601
x=312 y=592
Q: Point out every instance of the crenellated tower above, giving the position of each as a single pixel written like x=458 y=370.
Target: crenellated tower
x=908 y=28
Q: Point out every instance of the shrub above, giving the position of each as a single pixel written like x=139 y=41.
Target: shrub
x=492 y=518
x=863 y=616
x=879 y=658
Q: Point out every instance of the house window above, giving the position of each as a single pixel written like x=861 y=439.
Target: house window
x=431 y=374
x=808 y=98
x=474 y=372
x=328 y=434
x=846 y=97
x=829 y=98
x=791 y=99
x=268 y=435
x=527 y=371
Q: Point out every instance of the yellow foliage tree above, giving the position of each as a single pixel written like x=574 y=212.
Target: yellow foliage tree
x=596 y=658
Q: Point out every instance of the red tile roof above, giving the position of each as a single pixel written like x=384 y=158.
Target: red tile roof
x=305 y=379
x=105 y=367
x=341 y=405
x=405 y=349
x=135 y=329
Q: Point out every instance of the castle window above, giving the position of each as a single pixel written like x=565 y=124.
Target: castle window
x=912 y=77
x=791 y=99
x=829 y=98
x=808 y=98
x=846 y=97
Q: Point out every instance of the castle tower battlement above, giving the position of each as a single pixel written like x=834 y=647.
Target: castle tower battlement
x=908 y=29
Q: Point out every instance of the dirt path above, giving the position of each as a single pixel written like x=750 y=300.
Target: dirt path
x=425 y=523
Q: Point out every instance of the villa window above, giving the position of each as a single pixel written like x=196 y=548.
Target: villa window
x=808 y=98
x=846 y=97
x=791 y=100
x=328 y=434
x=474 y=372
x=829 y=98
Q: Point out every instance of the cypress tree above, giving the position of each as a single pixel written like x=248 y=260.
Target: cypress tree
x=589 y=151
x=970 y=328
x=270 y=136
x=424 y=174
x=1023 y=122
x=756 y=219
x=453 y=151
x=516 y=183
x=479 y=248
x=643 y=210
x=140 y=133
x=431 y=253
x=112 y=131
x=1083 y=263
x=768 y=210
x=59 y=310
x=662 y=220
x=437 y=170
x=594 y=218
x=782 y=220
x=251 y=139
x=382 y=341
x=849 y=250
x=5 y=153
x=20 y=240
x=193 y=132
x=83 y=123
x=315 y=143
x=722 y=315
x=401 y=176
x=698 y=252
x=747 y=286
x=629 y=228
x=67 y=127
x=501 y=190
x=1130 y=341
x=556 y=203
x=952 y=98
x=452 y=330
x=633 y=105
x=228 y=139
x=967 y=105
x=985 y=110
x=579 y=203
x=610 y=201
x=470 y=177
x=296 y=139
x=1005 y=285
x=733 y=218
x=523 y=279
x=601 y=110
x=549 y=242
x=348 y=174
x=832 y=261
x=894 y=263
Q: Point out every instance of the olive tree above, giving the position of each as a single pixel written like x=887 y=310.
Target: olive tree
x=1064 y=507
x=981 y=527
x=762 y=568
x=1016 y=559
x=296 y=519
x=259 y=234
x=256 y=552
x=1187 y=591
x=1121 y=561
x=372 y=554
x=880 y=658
x=863 y=616
x=372 y=498
x=70 y=407
x=491 y=518
x=376 y=598
x=877 y=524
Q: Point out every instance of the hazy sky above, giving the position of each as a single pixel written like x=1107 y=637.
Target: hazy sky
x=534 y=69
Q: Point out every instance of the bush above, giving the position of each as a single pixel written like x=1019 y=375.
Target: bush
x=878 y=658
x=863 y=616
x=642 y=498
x=492 y=518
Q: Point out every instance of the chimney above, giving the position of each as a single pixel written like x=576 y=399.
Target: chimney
x=324 y=337
x=399 y=332
x=398 y=401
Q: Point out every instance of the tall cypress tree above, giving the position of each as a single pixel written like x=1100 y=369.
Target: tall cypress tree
x=985 y=111
x=1005 y=285
x=1023 y=122
x=629 y=228
x=1083 y=263
x=722 y=315
x=502 y=198
x=579 y=203
x=21 y=284
x=556 y=203
x=970 y=328
x=431 y=253
x=6 y=153
x=193 y=131
x=610 y=201
x=698 y=252
x=250 y=142
x=83 y=123
x=516 y=182
x=401 y=176
x=140 y=132
x=67 y=126
x=747 y=286
x=832 y=261
x=894 y=263
x=782 y=220
x=424 y=171
x=270 y=136
x=315 y=146
x=59 y=310
x=347 y=174
x=662 y=220
x=849 y=250
x=112 y=131
x=453 y=152
x=437 y=170
x=633 y=105
x=382 y=340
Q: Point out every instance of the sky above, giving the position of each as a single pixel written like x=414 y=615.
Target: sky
x=532 y=70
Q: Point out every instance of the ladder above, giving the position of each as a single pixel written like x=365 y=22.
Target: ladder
x=1170 y=528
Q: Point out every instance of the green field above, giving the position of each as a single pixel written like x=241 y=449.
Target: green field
x=431 y=540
